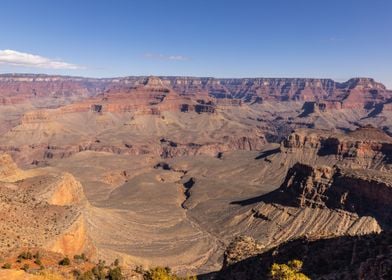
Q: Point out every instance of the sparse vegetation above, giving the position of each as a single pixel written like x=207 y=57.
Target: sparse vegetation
x=115 y=273
x=81 y=257
x=65 y=261
x=32 y=263
x=99 y=270
x=289 y=271
x=25 y=267
x=6 y=266
x=37 y=255
x=38 y=262
x=164 y=273
x=25 y=256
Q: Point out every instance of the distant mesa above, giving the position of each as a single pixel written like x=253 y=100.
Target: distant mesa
x=355 y=93
x=153 y=82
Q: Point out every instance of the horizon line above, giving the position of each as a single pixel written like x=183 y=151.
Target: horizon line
x=186 y=76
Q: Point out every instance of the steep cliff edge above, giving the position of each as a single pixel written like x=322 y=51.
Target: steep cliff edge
x=364 y=147
x=355 y=93
x=47 y=211
x=364 y=257
x=364 y=192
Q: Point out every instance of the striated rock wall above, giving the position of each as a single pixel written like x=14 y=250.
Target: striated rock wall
x=249 y=143
x=355 y=93
x=367 y=193
x=364 y=144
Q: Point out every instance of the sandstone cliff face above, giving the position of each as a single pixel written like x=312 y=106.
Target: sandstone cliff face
x=367 y=193
x=171 y=149
x=366 y=145
x=47 y=211
x=66 y=191
x=73 y=241
x=355 y=93
x=18 y=88
x=8 y=168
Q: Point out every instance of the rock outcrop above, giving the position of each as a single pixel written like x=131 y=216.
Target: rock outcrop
x=364 y=257
x=73 y=241
x=364 y=192
x=365 y=145
x=241 y=248
x=47 y=211
x=66 y=191
x=8 y=167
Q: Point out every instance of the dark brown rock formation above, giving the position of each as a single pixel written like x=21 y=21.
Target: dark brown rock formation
x=364 y=257
x=365 y=192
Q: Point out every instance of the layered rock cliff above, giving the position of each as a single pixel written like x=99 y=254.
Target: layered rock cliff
x=365 y=147
x=355 y=93
x=364 y=192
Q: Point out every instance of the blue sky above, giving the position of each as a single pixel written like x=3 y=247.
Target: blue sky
x=338 y=39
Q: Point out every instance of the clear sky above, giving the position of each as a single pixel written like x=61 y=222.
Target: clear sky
x=337 y=39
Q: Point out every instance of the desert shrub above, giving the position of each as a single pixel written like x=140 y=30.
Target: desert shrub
x=116 y=262
x=25 y=256
x=65 y=261
x=38 y=261
x=190 y=278
x=6 y=266
x=115 y=273
x=159 y=273
x=139 y=269
x=76 y=273
x=164 y=273
x=80 y=257
x=99 y=270
x=88 y=275
x=289 y=271
x=37 y=255
x=25 y=267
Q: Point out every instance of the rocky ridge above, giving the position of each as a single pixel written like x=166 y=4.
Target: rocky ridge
x=41 y=210
x=355 y=93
